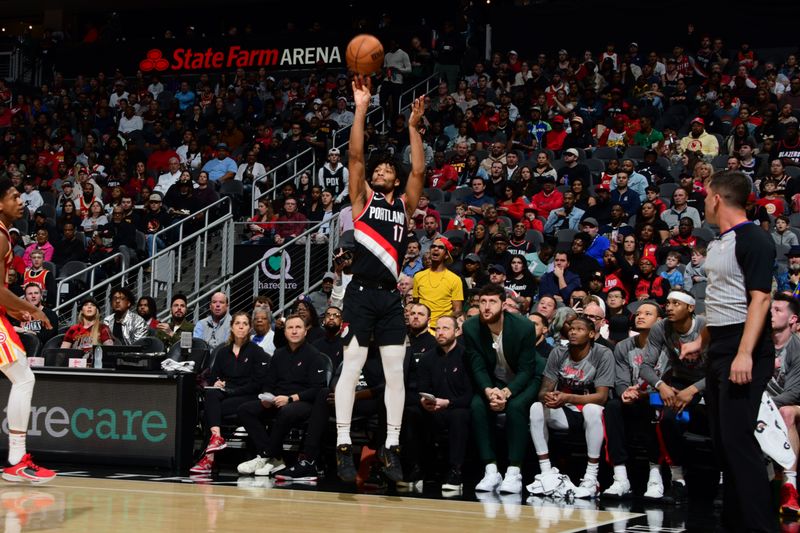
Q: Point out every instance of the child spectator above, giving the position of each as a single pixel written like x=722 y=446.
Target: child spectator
x=695 y=271
x=672 y=274
x=653 y=192
x=782 y=234
x=772 y=201
x=461 y=220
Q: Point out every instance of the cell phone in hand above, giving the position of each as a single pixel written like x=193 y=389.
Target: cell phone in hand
x=428 y=396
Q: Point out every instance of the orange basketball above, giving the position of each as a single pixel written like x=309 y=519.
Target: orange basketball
x=365 y=54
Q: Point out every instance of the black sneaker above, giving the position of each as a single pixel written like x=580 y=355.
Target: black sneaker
x=676 y=495
x=412 y=479
x=375 y=480
x=302 y=471
x=452 y=482
x=345 y=468
x=390 y=460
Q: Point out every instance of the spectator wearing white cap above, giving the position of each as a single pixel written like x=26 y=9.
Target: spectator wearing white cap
x=572 y=170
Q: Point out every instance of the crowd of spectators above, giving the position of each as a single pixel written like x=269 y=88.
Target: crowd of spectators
x=566 y=191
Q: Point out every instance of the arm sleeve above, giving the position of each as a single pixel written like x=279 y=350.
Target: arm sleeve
x=477 y=362
x=655 y=343
x=755 y=253
x=791 y=387
x=622 y=371
x=605 y=368
x=527 y=360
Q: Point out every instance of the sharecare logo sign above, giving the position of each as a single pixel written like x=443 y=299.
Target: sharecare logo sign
x=183 y=59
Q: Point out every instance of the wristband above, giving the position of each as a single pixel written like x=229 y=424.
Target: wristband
x=659 y=383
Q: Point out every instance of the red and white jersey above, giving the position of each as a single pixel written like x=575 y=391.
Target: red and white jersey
x=381 y=237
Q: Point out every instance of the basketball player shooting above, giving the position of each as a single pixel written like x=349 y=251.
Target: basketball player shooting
x=372 y=306
x=13 y=362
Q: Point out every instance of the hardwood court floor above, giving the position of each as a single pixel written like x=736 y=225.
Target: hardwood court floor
x=88 y=505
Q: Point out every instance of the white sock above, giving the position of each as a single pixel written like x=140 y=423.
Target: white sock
x=343 y=434
x=512 y=471
x=790 y=476
x=392 y=435
x=620 y=473
x=544 y=466
x=491 y=468
x=655 y=471
x=591 y=470
x=16 y=447
x=677 y=474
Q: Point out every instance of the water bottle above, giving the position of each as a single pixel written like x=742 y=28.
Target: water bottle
x=98 y=357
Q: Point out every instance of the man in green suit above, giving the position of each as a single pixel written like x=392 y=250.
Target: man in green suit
x=507 y=371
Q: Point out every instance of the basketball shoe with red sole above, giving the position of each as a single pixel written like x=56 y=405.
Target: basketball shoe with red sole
x=27 y=471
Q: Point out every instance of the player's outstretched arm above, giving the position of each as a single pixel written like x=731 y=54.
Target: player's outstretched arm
x=357 y=184
x=416 y=179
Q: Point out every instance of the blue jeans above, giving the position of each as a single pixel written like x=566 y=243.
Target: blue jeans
x=160 y=245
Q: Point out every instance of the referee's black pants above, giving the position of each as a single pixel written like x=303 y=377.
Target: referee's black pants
x=732 y=411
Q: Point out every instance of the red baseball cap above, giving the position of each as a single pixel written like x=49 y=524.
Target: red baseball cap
x=700 y=120
x=559 y=119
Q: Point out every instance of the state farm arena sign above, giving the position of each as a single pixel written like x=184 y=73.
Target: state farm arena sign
x=197 y=56
x=232 y=57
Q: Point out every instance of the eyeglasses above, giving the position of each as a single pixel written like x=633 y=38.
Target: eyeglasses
x=333 y=315
x=593 y=318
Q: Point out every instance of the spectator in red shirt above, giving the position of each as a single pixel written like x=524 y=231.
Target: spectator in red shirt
x=548 y=199
x=650 y=285
x=554 y=139
x=530 y=220
x=290 y=223
x=442 y=175
x=511 y=204
x=158 y=162
x=461 y=220
x=89 y=331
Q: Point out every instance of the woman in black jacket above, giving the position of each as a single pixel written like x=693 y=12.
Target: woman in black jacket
x=237 y=374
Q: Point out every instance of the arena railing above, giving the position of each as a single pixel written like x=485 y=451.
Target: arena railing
x=163 y=268
x=243 y=285
x=291 y=168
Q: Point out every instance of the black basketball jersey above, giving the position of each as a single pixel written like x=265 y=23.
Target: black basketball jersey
x=381 y=239
x=333 y=180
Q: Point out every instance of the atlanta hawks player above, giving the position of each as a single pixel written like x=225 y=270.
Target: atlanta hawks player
x=12 y=355
x=372 y=306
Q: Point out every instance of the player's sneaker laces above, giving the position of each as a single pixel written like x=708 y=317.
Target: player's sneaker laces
x=618 y=489
x=390 y=460
x=304 y=470
x=345 y=467
x=271 y=466
x=249 y=467
x=215 y=444
x=491 y=479
x=587 y=489
x=27 y=470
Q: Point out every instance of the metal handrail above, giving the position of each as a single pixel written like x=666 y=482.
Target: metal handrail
x=191 y=216
x=413 y=90
x=195 y=299
x=256 y=196
x=165 y=251
x=89 y=269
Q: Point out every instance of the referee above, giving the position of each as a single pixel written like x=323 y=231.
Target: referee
x=741 y=355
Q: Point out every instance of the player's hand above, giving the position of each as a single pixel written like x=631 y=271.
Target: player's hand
x=39 y=315
x=742 y=369
x=630 y=395
x=667 y=394
x=219 y=384
x=684 y=398
x=417 y=111
x=690 y=351
x=362 y=90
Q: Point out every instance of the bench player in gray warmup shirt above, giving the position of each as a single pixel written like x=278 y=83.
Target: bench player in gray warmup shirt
x=576 y=383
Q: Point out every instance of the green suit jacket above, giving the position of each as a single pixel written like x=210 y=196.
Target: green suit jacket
x=519 y=348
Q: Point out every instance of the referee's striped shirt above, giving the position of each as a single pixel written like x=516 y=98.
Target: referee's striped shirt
x=740 y=260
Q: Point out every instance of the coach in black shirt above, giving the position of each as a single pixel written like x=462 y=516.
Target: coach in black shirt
x=741 y=355
x=297 y=380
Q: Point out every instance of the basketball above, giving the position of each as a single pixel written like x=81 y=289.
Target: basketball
x=365 y=54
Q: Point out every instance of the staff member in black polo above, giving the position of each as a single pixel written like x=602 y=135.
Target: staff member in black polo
x=741 y=355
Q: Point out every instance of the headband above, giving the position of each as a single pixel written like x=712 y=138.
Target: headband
x=681 y=297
